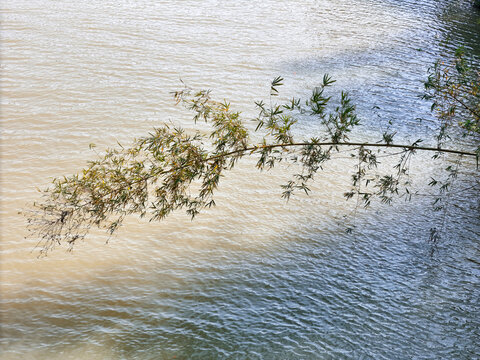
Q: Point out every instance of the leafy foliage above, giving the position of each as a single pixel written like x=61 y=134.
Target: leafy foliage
x=454 y=88
x=170 y=169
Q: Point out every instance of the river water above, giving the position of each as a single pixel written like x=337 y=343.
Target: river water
x=255 y=277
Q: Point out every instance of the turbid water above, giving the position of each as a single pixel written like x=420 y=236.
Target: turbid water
x=255 y=277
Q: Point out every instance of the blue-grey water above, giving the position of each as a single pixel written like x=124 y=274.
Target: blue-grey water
x=255 y=277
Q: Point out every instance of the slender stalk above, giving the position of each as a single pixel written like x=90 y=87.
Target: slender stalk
x=406 y=147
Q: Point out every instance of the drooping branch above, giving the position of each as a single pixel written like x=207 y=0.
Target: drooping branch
x=170 y=170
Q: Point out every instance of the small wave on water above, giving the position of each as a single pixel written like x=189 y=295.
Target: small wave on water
x=255 y=277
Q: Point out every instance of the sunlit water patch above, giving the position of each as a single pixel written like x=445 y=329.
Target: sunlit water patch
x=255 y=277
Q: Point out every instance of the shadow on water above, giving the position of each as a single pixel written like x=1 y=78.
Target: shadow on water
x=282 y=283
x=378 y=76
x=374 y=293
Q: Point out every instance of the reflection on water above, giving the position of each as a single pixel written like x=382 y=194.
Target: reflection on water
x=254 y=277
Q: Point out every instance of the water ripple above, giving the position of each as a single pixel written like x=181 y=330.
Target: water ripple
x=255 y=278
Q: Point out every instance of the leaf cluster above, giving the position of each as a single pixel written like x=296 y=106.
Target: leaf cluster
x=454 y=88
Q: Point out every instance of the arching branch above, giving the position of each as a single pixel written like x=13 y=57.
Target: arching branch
x=170 y=169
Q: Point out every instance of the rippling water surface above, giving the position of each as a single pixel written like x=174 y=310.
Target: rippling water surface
x=255 y=277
